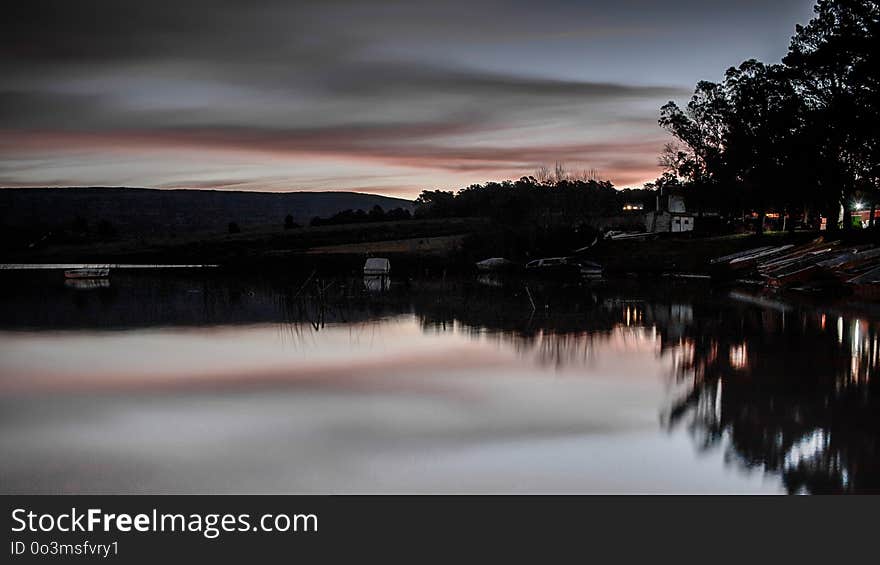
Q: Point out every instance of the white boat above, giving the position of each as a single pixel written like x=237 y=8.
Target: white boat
x=377 y=266
x=548 y=263
x=88 y=273
x=495 y=264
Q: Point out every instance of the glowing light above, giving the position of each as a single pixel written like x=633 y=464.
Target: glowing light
x=739 y=356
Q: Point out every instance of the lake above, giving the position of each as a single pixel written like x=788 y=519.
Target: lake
x=205 y=382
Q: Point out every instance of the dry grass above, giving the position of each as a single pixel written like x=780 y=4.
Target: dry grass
x=423 y=245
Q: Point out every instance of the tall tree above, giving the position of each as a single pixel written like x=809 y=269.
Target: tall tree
x=764 y=118
x=701 y=126
x=828 y=59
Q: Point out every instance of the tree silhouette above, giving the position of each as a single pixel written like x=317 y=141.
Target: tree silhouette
x=764 y=117
x=791 y=137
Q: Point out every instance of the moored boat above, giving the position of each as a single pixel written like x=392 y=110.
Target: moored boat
x=590 y=270
x=565 y=267
x=377 y=266
x=867 y=284
x=495 y=264
x=97 y=272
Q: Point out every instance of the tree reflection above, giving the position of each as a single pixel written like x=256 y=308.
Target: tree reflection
x=790 y=392
x=564 y=329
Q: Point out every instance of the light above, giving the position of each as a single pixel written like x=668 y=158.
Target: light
x=739 y=356
x=859 y=205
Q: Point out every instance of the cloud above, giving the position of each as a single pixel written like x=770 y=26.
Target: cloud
x=391 y=146
x=436 y=93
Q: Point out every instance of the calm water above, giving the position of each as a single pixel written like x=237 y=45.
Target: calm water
x=160 y=382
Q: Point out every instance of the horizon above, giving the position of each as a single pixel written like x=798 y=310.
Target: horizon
x=231 y=189
x=388 y=99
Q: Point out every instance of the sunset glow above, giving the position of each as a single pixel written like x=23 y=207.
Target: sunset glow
x=407 y=98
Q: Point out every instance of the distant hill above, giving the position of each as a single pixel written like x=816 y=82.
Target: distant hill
x=134 y=211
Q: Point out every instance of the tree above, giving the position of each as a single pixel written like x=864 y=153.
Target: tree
x=376 y=214
x=697 y=162
x=560 y=173
x=833 y=61
x=435 y=203
x=396 y=214
x=674 y=159
x=543 y=174
x=793 y=136
x=233 y=227
x=701 y=127
x=289 y=224
x=763 y=121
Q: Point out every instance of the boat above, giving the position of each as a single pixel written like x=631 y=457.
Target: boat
x=805 y=253
x=495 y=264
x=733 y=265
x=565 y=267
x=762 y=256
x=96 y=272
x=866 y=285
x=590 y=270
x=739 y=254
x=377 y=266
x=799 y=269
x=688 y=276
x=617 y=235
x=862 y=262
x=549 y=264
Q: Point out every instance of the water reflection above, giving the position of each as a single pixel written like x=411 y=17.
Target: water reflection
x=87 y=284
x=792 y=392
x=786 y=389
x=377 y=283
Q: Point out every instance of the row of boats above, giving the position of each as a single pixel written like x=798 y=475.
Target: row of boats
x=548 y=266
x=555 y=267
x=816 y=265
x=378 y=266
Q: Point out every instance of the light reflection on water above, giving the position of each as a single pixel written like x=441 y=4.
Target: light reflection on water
x=188 y=384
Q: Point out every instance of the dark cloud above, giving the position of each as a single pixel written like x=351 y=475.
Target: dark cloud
x=108 y=30
x=40 y=109
x=457 y=86
x=384 y=143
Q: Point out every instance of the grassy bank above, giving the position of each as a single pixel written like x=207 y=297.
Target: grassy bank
x=268 y=244
x=681 y=253
x=416 y=247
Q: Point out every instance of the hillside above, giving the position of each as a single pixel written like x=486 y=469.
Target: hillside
x=143 y=211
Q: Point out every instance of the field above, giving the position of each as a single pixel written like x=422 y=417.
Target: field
x=270 y=243
x=419 y=245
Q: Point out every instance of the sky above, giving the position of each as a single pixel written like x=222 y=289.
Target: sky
x=389 y=97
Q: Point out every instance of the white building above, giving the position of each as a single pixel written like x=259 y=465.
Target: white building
x=670 y=215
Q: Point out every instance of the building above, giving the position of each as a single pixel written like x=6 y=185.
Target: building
x=670 y=215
